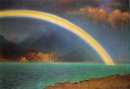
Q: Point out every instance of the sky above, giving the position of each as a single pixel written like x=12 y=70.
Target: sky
x=107 y=21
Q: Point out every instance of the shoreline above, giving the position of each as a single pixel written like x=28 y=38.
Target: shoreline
x=111 y=82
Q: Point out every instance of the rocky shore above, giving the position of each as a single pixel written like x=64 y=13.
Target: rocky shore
x=111 y=82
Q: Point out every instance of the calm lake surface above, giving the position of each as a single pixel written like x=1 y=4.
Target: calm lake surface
x=39 y=75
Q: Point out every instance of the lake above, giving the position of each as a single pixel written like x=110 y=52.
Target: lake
x=15 y=75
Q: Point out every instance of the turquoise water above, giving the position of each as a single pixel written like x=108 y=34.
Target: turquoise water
x=40 y=75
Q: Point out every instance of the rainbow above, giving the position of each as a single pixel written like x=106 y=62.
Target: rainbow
x=65 y=24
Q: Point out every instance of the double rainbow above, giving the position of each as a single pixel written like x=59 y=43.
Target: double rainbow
x=65 y=24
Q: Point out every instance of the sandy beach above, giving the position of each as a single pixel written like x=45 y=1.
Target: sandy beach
x=111 y=82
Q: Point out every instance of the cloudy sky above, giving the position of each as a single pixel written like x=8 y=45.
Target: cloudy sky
x=105 y=20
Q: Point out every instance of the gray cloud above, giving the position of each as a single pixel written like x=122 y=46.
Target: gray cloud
x=116 y=18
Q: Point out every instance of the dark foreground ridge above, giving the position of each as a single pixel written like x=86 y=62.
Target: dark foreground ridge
x=111 y=82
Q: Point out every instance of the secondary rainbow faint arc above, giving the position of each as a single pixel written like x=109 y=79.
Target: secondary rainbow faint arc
x=65 y=24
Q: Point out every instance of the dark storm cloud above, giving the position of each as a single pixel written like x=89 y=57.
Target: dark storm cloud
x=58 y=6
x=122 y=5
x=28 y=4
x=46 y=5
